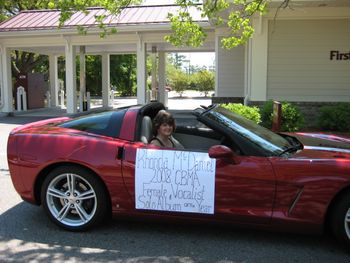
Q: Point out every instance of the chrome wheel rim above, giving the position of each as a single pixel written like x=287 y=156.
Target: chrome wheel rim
x=347 y=223
x=71 y=200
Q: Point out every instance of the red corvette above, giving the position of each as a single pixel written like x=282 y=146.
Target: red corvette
x=231 y=171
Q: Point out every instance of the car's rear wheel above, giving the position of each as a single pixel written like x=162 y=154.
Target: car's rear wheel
x=340 y=220
x=74 y=198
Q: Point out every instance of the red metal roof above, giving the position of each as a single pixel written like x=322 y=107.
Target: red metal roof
x=134 y=15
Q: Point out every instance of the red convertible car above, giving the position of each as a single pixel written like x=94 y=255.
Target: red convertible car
x=231 y=171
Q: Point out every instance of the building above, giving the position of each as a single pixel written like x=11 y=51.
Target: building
x=299 y=54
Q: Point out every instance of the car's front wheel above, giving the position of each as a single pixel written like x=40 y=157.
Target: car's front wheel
x=340 y=220
x=74 y=198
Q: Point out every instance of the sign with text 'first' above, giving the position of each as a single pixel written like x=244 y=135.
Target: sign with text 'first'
x=174 y=181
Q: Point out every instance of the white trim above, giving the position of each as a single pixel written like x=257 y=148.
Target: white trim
x=141 y=71
x=71 y=91
x=82 y=77
x=247 y=71
x=106 y=83
x=217 y=46
x=95 y=31
x=258 y=55
x=6 y=84
x=161 y=78
x=54 y=86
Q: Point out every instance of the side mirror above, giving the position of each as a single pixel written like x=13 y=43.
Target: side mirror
x=223 y=152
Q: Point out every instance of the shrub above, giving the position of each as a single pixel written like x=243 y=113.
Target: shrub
x=292 y=118
x=249 y=112
x=335 y=118
x=180 y=82
x=205 y=81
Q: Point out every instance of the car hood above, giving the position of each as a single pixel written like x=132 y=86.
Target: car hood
x=324 y=145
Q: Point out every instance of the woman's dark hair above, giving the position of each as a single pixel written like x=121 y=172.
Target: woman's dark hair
x=161 y=118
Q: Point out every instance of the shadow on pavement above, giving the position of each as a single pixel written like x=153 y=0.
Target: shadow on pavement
x=30 y=236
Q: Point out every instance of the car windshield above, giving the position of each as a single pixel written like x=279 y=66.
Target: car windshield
x=248 y=129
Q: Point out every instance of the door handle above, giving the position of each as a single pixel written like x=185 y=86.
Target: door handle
x=120 y=153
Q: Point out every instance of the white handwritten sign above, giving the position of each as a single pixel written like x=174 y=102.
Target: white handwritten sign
x=176 y=181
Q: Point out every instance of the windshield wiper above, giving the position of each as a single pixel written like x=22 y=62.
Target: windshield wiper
x=291 y=149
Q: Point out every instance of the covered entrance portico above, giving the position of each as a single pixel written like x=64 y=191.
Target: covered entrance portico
x=142 y=39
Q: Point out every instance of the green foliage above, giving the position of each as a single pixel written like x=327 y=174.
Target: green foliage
x=93 y=74
x=237 y=19
x=292 y=118
x=123 y=74
x=10 y=8
x=204 y=81
x=24 y=62
x=179 y=81
x=176 y=59
x=250 y=112
x=185 y=32
x=335 y=118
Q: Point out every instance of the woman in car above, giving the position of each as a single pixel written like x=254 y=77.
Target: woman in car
x=163 y=128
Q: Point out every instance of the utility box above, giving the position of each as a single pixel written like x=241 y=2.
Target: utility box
x=35 y=87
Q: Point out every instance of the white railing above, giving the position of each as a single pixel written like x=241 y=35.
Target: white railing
x=21 y=99
x=61 y=95
x=111 y=98
x=48 y=99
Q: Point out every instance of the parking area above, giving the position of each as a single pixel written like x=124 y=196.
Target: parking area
x=189 y=100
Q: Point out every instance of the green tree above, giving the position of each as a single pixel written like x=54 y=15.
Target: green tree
x=177 y=60
x=23 y=62
x=123 y=74
x=205 y=81
x=93 y=73
x=178 y=80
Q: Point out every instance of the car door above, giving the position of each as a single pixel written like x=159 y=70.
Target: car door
x=241 y=191
x=244 y=189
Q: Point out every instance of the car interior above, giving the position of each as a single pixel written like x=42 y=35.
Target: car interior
x=190 y=132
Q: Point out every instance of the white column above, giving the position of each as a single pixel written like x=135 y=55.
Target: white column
x=54 y=85
x=71 y=90
x=154 y=74
x=162 y=77
x=6 y=83
x=257 y=59
x=106 y=84
x=141 y=72
x=217 y=47
x=82 y=77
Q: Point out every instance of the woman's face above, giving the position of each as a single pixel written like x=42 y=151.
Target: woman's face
x=165 y=129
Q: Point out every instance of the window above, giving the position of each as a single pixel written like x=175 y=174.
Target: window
x=106 y=123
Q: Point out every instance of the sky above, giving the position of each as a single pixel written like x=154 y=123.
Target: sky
x=201 y=58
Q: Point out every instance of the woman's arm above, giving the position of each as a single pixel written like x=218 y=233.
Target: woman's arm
x=156 y=142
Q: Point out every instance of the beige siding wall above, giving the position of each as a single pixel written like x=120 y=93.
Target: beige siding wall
x=231 y=72
x=299 y=64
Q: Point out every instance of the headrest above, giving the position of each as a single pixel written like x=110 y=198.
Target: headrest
x=146 y=129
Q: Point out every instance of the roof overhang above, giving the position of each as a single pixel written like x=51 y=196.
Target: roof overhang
x=37 y=31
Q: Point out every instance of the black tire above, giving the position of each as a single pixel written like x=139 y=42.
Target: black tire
x=74 y=198
x=340 y=220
